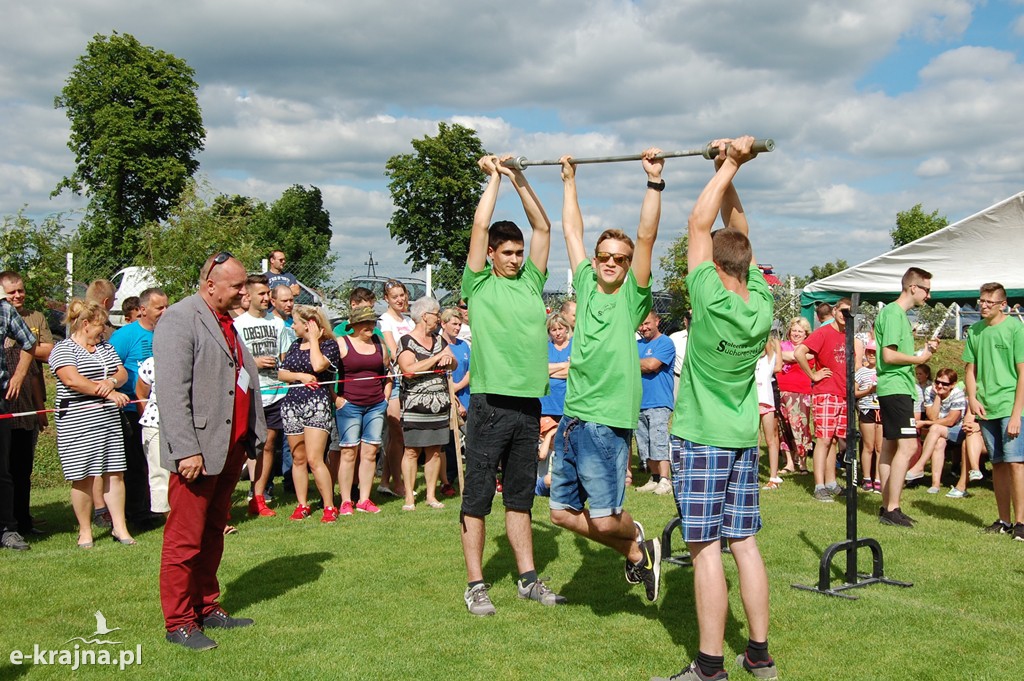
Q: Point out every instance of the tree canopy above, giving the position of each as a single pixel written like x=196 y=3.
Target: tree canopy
x=136 y=129
x=37 y=251
x=913 y=224
x=674 y=267
x=298 y=224
x=435 y=190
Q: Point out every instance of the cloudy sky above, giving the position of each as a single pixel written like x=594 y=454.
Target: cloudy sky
x=875 y=105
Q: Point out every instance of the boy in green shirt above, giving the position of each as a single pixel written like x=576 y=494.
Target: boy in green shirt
x=509 y=369
x=896 y=389
x=994 y=353
x=602 y=398
x=714 y=445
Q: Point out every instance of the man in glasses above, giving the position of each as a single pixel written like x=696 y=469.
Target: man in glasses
x=896 y=390
x=276 y=275
x=602 y=399
x=509 y=368
x=994 y=353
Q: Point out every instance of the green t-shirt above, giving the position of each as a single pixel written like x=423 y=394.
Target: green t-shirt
x=892 y=328
x=510 y=338
x=604 y=368
x=717 y=391
x=995 y=352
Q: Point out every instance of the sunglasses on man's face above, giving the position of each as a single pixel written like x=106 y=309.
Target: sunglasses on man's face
x=620 y=258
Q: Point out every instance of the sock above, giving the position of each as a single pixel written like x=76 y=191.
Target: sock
x=472 y=584
x=528 y=578
x=817 y=487
x=831 y=485
x=757 y=652
x=710 y=664
x=655 y=477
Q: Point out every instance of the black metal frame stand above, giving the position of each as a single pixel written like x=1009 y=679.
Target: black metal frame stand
x=681 y=559
x=854 y=579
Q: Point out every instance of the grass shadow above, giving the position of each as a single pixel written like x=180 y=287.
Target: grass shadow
x=502 y=562
x=948 y=512
x=273 y=578
x=12 y=671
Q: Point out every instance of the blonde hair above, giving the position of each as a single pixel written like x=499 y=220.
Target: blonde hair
x=80 y=310
x=556 y=319
x=99 y=290
x=450 y=314
x=801 y=322
x=308 y=312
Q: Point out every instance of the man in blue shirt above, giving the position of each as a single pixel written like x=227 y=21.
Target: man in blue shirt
x=134 y=345
x=657 y=359
x=277 y=276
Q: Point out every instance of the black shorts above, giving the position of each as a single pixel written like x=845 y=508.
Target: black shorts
x=897 y=413
x=868 y=415
x=273 y=416
x=501 y=430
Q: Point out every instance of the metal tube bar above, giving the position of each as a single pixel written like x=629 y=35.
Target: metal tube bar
x=707 y=151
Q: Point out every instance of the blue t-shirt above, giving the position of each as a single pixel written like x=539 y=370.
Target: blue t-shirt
x=134 y=345
x=554 y=404
x=283 y=279
x=460 y=349
x=658 y=387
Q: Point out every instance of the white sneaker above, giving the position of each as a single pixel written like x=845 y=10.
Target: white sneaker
x=974 y=475
x=933 y=490
x=956 y=493
x=911 y=476
x=663 y=487
x=478 y=601
x=649 y=487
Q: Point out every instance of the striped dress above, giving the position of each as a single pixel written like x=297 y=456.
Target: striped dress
x=90 y=441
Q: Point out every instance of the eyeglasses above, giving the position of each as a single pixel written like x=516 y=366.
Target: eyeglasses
x=990 y=303
x=945 y=384
x=218 y=259
x=926 y=289
x=621 y=259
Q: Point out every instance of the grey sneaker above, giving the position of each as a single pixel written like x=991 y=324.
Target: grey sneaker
x=478 y=601
x=764 y=670
x=823 y=495
x=191 y=637
x=14 y=541
x=956 y=493
x=693 y=673
x=974 y=475
x=835 y=491
x=538 y=591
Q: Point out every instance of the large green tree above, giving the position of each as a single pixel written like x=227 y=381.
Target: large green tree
x=298 y=224
x=37 y=251
x=913 y=224
x=435 y=190
x=674 y=268
x=136 y=128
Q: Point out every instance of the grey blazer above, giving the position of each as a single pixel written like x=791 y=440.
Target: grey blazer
x=196 y=377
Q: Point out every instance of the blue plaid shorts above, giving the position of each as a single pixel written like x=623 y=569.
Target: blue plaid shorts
x=716 y=491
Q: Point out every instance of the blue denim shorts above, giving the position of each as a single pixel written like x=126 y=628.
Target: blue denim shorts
x=716 y=491
x=652 y=434
x=1002 y=449
x=357 y=423
x=591 y=466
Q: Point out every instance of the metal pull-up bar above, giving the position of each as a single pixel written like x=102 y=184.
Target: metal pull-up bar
x=707 y=151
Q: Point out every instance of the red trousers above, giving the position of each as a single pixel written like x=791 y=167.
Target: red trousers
x=194 y=542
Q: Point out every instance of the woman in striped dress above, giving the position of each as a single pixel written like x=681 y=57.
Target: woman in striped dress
x=90 y=439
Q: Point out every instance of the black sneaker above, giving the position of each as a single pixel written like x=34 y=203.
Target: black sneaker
x=1018 y=532
x=893 y=517
x=998 y=527
x=632 y=576
x=648 y=570
x=760 y=670
x=218 y=619
x=693 y=673
x=191 y=637
x=903 y=515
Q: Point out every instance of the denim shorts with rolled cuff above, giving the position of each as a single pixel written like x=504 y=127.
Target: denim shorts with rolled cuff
x=1002 y=449
x=357 y=423
x=591 y=467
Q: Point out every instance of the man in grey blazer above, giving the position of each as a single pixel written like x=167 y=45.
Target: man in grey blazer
x=210 y=420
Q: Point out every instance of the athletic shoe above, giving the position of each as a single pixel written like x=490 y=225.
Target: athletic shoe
x=760 y=670
x=447 y=490
x=300 y=513
x=384 y=489
x=904 y=515
x=648 y=570
x=933 y=490
x=268 y=495
x=218 y=619
x=975 y=475
x=649 y=486
x=539 y=591
x=346 y=508
x=956 y=493
x=664 y=487
x=911 y=476
x=835 y=491
x=1018 y=532
x=191 y=637
x=258 y=506
x=630 y=571
x=823 y=495
x=497 y=487
x=693 y=673
x=998 y=527
x=876 y=486
x=14 y=541
x=330 y=515
x=367 y=507
x=894 y=518
x=478 y=602
x=101 y=518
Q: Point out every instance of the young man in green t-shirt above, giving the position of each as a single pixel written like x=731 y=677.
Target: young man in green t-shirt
x=509 y=369
x=994 y=353
x=714 y=445
x=896 y=390
x=602 y=396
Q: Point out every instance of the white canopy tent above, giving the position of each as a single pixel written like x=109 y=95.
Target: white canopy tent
x=984 y=247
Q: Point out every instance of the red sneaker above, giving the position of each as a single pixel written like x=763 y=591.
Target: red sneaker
x=301 y=512
x=346 y=508
x=258 y=506
x=330 y=515
x=367 y=507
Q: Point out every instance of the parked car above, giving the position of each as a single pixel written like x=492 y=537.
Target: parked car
x=417 y=289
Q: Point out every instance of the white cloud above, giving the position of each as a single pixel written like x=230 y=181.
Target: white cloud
x=933 y=167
